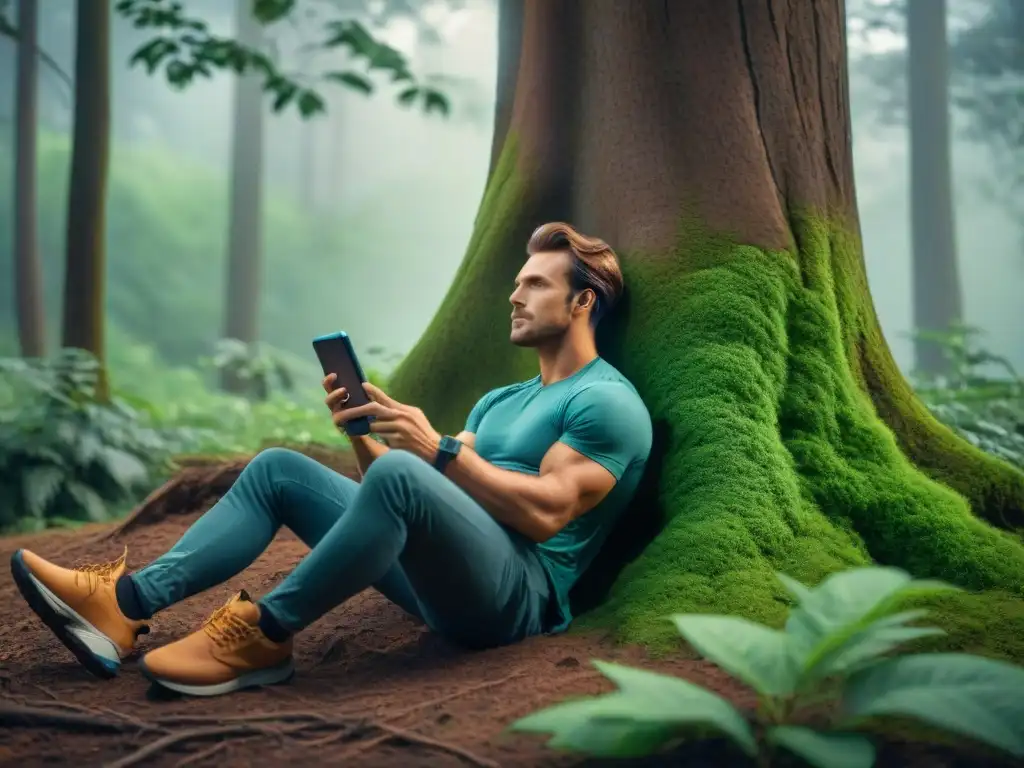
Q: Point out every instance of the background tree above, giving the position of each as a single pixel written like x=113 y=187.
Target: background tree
x=28 y=279
x=85 y=266
x=988 y=82
x=711 y=143
x=936 y=288
x=245 y=246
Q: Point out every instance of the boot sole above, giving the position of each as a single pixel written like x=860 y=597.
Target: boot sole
x=270 y=676
x=78 y=635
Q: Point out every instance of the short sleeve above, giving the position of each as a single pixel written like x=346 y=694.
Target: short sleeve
x=477 y=414
x=609 y=423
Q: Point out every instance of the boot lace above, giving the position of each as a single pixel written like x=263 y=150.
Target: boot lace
x=227 y=629
x=95 y=573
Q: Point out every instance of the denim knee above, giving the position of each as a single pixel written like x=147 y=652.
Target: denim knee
x=396 y=462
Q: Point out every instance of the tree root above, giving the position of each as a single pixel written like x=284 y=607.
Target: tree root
x=74 y=717
x=202 y=480
x=187 y=491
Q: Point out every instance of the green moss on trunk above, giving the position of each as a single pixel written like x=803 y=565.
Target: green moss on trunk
x=777 y=459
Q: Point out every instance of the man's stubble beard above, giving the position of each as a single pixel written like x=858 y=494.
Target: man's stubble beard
x=536 y=337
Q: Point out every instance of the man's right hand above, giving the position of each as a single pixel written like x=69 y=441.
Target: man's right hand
x=336 y=398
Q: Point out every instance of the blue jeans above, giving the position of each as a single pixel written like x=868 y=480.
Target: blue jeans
x=406 y=530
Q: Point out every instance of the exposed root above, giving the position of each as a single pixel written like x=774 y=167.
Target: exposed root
x=74 y=717
x=202 y=480
x=190 y=489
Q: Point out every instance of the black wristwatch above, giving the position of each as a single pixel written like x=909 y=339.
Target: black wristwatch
x=446 y=451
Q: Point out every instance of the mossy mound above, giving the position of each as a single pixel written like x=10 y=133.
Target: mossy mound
x=777 y=459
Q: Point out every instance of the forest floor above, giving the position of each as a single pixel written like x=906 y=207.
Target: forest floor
x=372 y=688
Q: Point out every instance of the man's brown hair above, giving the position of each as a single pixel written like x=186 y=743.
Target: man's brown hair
x=594 y=264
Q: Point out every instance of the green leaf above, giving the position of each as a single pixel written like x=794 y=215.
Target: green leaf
x=436 y=100
x=824 y=750
x=970 y=695
x=407 y=96
x=866 y=644
x=646 y=712
x=39 y=486
x=310 y=103
x=764 y=658
x=353 y=80
x=852 y=596
x=90 y=502
x=125 y=469
x=269 y=11
x=843 y=605
x=603 y=727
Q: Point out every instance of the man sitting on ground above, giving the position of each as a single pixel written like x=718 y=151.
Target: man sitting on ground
x=481 y=537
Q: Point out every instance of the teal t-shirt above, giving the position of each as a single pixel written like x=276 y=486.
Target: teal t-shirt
x=595 y=411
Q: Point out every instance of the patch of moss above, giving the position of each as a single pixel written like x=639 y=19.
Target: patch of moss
x=777 y=459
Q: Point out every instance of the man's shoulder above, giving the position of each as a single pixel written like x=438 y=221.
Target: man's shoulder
x=605 y=384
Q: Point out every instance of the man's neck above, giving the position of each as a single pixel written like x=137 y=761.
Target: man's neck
x=563 y=362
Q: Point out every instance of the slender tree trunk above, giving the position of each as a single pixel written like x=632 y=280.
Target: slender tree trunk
x=85 y=271
x=710 y=143
x=245 y=246
x=935 y=277
x=28 y=279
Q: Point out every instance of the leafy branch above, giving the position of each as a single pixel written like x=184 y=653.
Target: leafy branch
x=186 y=49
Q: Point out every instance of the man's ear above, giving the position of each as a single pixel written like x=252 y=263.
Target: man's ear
x=585 y=299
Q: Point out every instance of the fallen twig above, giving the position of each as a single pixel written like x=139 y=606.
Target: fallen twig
x=175 y=738
x=415 y=738
x=454 y=695
x=36 y=717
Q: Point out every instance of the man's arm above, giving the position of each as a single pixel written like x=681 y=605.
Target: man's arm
x=367 y=449
x=538 y=506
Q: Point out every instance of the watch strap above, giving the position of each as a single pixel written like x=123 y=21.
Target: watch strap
x=446 y=451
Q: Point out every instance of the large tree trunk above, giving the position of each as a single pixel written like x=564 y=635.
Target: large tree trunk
x=245 y=246
x=710 y=143
x=936 y=280
x=28 y=279
x=85 y=270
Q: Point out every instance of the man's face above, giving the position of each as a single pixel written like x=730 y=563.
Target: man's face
x=540 y=310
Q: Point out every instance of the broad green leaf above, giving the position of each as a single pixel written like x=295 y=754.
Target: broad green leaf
x=89 y=501
x=869 y=642
x=658 y=707
x=764 y=658
x=974 y=696
x=824 y=750
x=39 y=486
x=845 y=602
x=602 y=726
x=126 y=470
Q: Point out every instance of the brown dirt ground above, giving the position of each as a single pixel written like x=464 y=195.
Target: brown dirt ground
x=373 y=688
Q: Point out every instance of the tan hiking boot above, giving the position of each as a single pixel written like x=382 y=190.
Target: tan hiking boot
x=80 y=606
x=230 y=652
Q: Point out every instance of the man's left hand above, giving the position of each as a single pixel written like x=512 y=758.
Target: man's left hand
x=402 y=426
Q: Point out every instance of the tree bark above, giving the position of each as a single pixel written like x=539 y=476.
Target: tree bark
x=710 y=143
x=510 y=42
x=28 y=279
x=935 y=277
x=85 y=270
x=245 y=246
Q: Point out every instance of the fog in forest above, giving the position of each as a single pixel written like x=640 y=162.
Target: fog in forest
x=367 y=210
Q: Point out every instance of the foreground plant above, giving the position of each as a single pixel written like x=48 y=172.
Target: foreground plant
x=832 y=651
